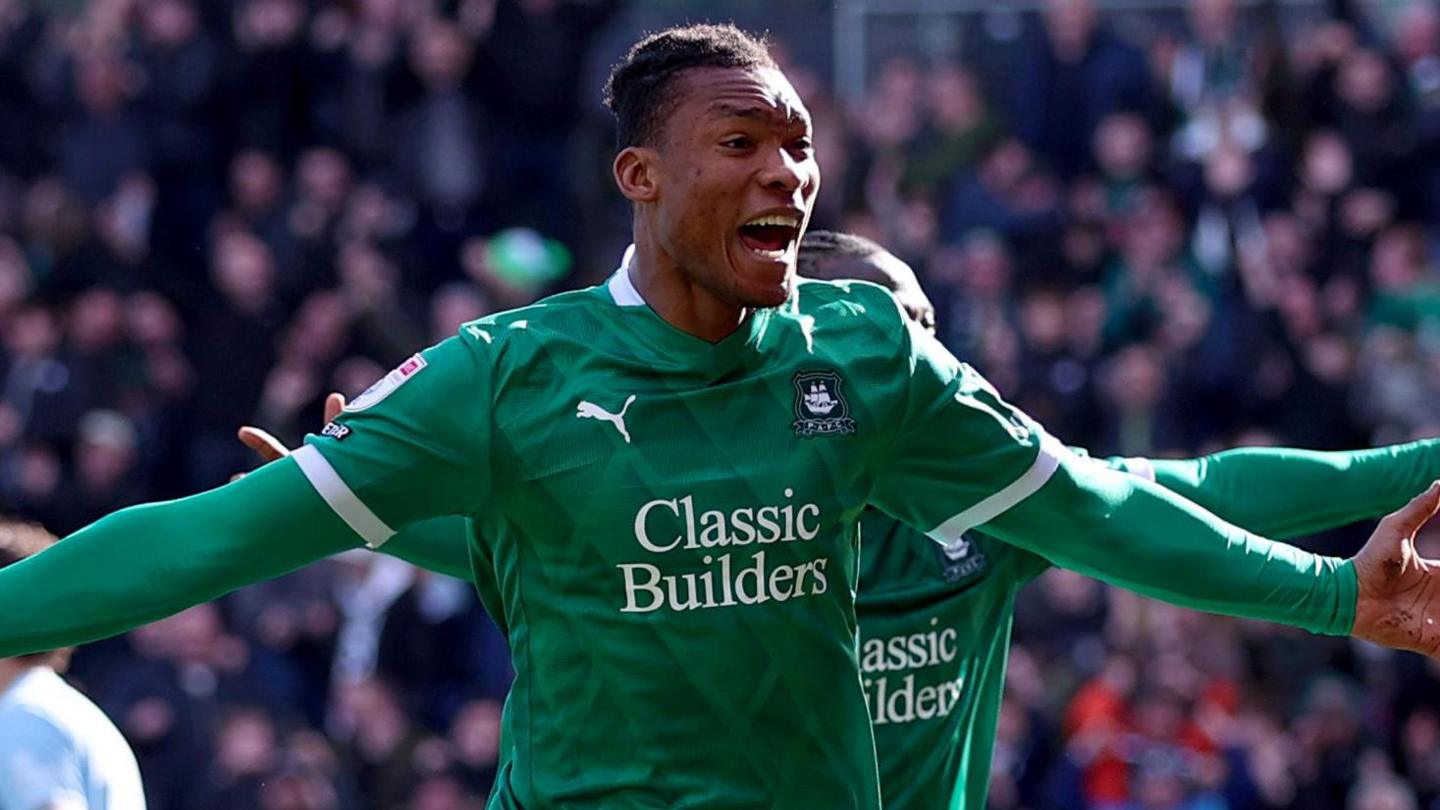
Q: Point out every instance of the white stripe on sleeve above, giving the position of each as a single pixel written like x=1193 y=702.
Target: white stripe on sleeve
x=1141 y=467
x=1046 y=463
x=327 y=482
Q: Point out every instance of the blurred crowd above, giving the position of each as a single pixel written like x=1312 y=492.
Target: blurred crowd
x=1156 y=238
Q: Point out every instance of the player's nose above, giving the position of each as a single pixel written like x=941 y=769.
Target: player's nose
x=782 y=172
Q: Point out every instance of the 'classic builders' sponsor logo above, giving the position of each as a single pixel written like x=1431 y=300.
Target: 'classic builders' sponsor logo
x=894 y=671
x=732 y=546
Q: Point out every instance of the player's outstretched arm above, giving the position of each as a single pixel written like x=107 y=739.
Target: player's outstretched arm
x=1283 y=492
x=440 y=545
x=147 y=562
x=1136 y=535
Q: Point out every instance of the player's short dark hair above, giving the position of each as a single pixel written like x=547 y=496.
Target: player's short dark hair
x=641 y=88
x=835 y=256
x=19 y=540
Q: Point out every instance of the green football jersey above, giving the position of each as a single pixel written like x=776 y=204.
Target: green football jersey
x=934 y=641
x=672 y=526
x=935 y=621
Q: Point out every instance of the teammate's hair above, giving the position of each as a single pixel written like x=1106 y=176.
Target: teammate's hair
x=836 y=256
x=641 y=88
x=19 y=540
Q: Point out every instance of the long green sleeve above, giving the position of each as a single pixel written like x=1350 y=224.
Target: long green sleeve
x=1134 y=534
x=147 y=562
x=1277 y=492
x=1284 y=493
x=439 y=544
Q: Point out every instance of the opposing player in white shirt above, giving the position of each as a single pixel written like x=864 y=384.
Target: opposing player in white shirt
x=58 y=751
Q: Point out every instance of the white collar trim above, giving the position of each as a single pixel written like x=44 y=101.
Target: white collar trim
x=622 y=289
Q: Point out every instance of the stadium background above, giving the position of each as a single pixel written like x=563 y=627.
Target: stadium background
x=1160 y=227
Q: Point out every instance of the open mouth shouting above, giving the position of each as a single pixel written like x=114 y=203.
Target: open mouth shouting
x=770 y=236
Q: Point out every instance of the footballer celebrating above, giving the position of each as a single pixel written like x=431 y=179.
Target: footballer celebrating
x=935 y=620
x=665 y=473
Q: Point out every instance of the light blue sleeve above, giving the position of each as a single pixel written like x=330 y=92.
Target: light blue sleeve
x=39 y=766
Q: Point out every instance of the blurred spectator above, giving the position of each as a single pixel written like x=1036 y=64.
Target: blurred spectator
x=438 y=144
x=271 y=63
x=229 y=382
x=106 y=475
x=21 y=30
x=475 y=735
x=178 y=73
x=323 y=184
x=1008 y=192
x=41 y=390
x=1215 y=79
x=383 y=741
x=960 y=128
x=57 y=240
x=1074 y=75
x=1382 y=794
x=536 y=104
x=257 y=205
x=385 y=315
x=104 y=140
x=246 y=752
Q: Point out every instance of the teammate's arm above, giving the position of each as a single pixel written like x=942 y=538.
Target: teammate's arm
x=1283 y=492
x=1134 y=534
x=441 y=545
x=963 y=459
x=422 y=452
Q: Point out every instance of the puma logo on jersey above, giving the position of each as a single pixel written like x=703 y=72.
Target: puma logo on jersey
x=589 y=410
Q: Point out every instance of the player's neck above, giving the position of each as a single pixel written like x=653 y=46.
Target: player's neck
x=10 y=671
x=674 y=296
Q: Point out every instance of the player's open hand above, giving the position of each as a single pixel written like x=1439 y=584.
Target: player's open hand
x=269 y=448
x=1398 y=600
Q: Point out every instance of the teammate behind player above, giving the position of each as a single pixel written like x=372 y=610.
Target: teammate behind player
x=666 y=472
x=935 y=622
x=58 y=751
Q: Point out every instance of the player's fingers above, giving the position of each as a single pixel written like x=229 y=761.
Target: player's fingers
x=266 y=446
x=334 y=404
x=1407 y=520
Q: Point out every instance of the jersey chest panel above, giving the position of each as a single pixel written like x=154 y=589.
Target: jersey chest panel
x=655 y=495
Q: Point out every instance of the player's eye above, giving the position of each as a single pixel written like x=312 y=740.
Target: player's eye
x=738 y=142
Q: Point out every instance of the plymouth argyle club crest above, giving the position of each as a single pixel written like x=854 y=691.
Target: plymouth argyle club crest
x=961 y=558
x=820 y=407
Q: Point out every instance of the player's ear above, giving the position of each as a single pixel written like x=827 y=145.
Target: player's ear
x=636 y=174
